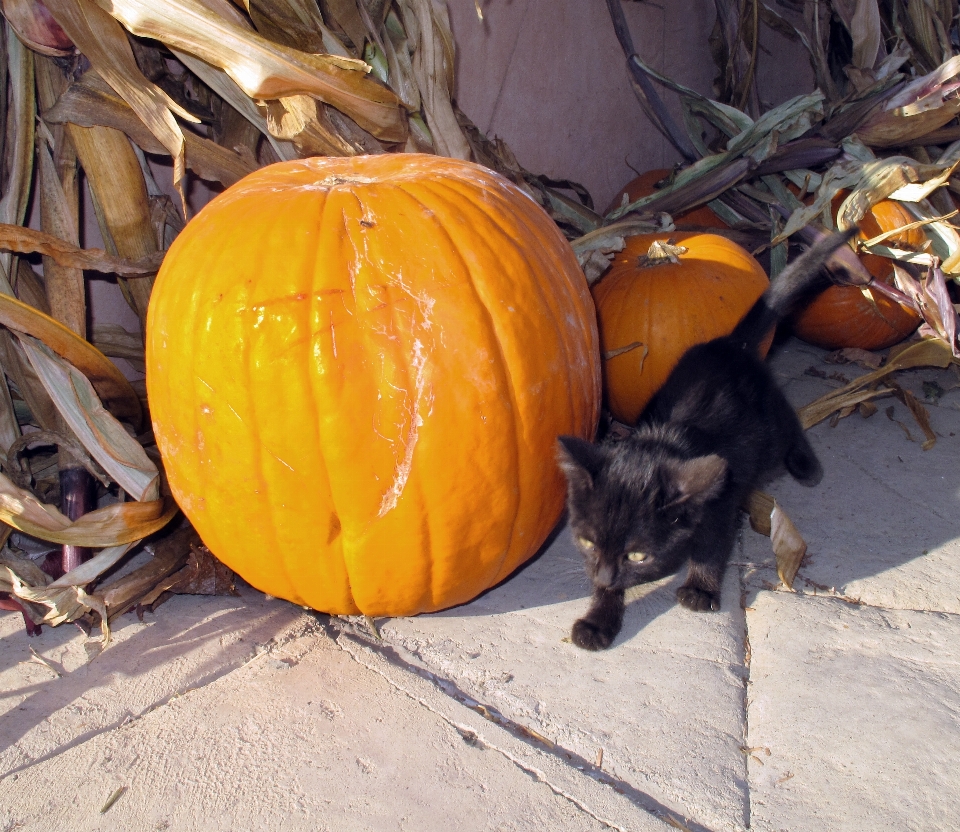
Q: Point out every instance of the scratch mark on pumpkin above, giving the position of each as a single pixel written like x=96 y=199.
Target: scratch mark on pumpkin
x=421 y=397
x=281 y=461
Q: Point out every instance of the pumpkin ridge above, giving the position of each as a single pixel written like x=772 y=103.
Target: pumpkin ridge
x=308 y=369
x=548 y=299
x=257 y=466
x=409 y=345
x=490 y=328
x=338 y=229
x=493 y=210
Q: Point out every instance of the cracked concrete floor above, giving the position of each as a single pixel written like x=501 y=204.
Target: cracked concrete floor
x=833 y=707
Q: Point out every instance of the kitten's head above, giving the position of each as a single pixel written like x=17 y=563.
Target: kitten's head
x=634 y=505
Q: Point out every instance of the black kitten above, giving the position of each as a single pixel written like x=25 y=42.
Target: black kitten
x=669 y=493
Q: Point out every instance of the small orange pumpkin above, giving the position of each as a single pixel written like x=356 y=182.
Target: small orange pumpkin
x=645 y=184
x=650 y=315
x=357 y=369
x=853 y=316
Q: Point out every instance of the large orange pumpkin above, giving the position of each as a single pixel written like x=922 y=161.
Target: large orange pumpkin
x=645 y=184
x=853 y=316
x=357 y=370
x=650 y=315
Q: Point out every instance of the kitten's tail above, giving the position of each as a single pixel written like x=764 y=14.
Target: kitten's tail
x=801 y=278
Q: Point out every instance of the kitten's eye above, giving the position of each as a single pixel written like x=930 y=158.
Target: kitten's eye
x=586 y=545
x=637 y=557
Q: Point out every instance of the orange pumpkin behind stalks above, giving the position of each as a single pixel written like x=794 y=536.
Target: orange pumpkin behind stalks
x=645 y=184
x=853 y=316
x=651 y=314
x=357 y=370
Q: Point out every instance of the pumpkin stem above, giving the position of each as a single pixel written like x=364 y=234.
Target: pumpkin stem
x=661 y=252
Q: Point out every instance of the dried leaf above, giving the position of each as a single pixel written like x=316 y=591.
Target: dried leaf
x=759 y=507
x=931 y=300
x=862 y=20
x=922 y=106
x=65 y=286
x=36 y=28
x=101 y=434
x=111 y=385
x=788 y=545
x=28 y=241
x=433 y=62
x=90 y=570
x=112 y=799
x=854 y=355
x=116 y=342
x=929 y=352
x=920 y=414
x=17 y=367
x=91 y=103
x=264 y=69
x=402 y=78
x=769 y=519
x=224 y=86
x=296 y=23
x=102 y=40
x=113 y=525
x=203 y=575
x=303 y=121
x=18 y=146
x=138 y=587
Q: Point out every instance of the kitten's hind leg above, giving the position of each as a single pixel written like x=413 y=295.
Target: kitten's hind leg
x=800 y=459
x=802 y=462
x=599 y=627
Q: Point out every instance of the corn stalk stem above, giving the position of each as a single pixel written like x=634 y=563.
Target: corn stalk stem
x=651 y=102
x=78 y=496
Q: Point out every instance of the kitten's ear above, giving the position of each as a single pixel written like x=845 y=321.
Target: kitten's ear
x=700 y=479
x=580 y=460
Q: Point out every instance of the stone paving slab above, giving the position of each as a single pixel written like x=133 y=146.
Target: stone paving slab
x=884 y=525
x=187 y=643
x=305 y=737
x=853 y=716
x=665 y=703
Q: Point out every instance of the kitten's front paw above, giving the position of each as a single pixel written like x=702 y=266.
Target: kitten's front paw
x=590 y=637
x=697 y=599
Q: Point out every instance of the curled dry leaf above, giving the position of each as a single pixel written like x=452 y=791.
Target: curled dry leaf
x=18 y=149
x=919 y=108
x=929 y=352
x=595 y=248
x=104 y=438
x=113 y=525
x=35 y=26
x=264 y=69
x=169 y=556
x=91 y=103
x=102 y=40
x=203 y=574
x=768 y=518
x=113 y=388
x=28 y=241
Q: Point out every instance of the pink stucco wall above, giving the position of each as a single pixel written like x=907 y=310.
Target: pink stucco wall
x=549 y=77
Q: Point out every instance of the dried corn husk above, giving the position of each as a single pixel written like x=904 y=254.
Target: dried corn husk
x=111 y=385
x=264 y=69
x=768 y=518
x=927 y=353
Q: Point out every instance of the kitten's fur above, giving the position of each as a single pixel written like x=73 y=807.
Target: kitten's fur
x=670 y=493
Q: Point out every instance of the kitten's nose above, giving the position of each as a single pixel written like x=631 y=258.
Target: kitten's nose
x=606 y=574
